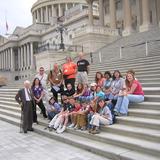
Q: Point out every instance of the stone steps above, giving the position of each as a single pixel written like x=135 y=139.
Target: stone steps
x=147 y=105
x=152 y=98
x=139 y=122
x=122 y=141
x=150 y=113
x=136 y=66
x=132 y=131
x=126 y=62
x=104 y=144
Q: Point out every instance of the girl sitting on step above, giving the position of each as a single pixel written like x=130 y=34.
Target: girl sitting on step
x=133 y=93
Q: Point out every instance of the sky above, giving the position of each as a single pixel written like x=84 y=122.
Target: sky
x=16 y=13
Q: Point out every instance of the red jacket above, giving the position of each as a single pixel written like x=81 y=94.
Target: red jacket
x=69 y=70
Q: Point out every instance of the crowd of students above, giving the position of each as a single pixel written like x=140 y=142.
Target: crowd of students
x=83 y=106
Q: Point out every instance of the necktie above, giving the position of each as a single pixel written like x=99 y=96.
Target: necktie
x=29 y=94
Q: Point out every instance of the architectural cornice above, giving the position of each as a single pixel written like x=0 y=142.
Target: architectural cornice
x=44 y=3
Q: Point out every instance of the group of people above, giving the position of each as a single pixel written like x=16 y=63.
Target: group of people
x=82 y=106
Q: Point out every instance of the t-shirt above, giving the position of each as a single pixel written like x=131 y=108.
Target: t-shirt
x=42 y=78
x=82 y=65
x=37 y=91
x=69 y=70
x=55 y=106
x=138 y=90
x=68 y=107
x=69 y=93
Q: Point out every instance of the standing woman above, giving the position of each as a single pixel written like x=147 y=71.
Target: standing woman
x=38 y=93
x=69 y=70
x=55 y=78
x=133 y=94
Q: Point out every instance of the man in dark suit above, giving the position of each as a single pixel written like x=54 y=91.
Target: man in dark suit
x=26 y=99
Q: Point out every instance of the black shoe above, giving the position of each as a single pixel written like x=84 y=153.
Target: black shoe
x=25 y=131
x=45 y=116
x=31 y=129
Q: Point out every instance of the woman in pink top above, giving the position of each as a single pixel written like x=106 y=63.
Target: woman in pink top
x=133 y=93
x=99 y=79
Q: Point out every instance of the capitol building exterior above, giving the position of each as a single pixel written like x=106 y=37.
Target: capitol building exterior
x=63 y=26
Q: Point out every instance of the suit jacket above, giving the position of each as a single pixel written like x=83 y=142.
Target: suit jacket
x=21 y=98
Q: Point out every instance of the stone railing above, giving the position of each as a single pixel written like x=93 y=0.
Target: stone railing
x=97 y=30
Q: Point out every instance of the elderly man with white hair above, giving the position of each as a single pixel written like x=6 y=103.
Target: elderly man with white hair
x=25 y=97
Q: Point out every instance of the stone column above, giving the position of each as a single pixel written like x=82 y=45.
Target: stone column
x=38 y=15
x=49 y=12
x=158 y=11
x=0 y=60
x=8 y=59
x=25 y=56
x=41 y=10
x=101 y=13
x=34 y=16
x=66 y=6
x=145 y=16
x=60 y=10
x=19 y=58
x=90 y=7
x=46 y=16
x=112 y=9
x=3 y=59
x=21 y=50
x=31 y=50
x=12 y=60
x=127 y=18
x=54 y=13
x=28 y=55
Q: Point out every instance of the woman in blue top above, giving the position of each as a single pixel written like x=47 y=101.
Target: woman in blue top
x=108 y=79
x=38 y=93
x=53 y=108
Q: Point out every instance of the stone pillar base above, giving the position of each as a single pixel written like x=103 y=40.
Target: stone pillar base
x=145 y=27
x=127 y=32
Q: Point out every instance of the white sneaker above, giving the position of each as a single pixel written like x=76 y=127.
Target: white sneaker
x=61 y=130
x=71 y=125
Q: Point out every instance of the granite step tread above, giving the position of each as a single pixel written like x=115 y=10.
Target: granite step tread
x=146 y=111
x=122 y=141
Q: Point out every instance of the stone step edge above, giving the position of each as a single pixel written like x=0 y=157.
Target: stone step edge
x=15 y=114
x=121 y=141
x=106 y=153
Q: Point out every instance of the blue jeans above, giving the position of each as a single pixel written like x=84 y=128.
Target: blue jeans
x=123 y=102
x=51 y=115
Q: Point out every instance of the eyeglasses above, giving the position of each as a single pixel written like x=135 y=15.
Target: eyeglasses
x=41 y=70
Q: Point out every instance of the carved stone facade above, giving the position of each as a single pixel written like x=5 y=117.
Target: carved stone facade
x=87 y=24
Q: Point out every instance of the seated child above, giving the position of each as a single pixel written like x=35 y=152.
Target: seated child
x=53 y=108
x=99 y=93
x=55 y=123
x=102 y=117
x=80 y=119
